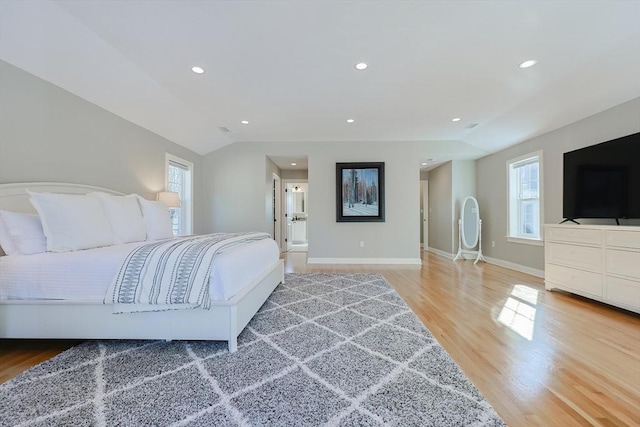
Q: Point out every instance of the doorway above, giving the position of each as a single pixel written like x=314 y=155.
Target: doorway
x=296 y=202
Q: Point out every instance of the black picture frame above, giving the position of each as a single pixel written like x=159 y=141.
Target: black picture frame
x=360 y=192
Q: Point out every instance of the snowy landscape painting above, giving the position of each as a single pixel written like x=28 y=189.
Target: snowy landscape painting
x=360 y=192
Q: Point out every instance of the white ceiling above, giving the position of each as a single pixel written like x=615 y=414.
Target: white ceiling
x=288 y=66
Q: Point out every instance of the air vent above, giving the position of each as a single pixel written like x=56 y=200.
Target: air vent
x=224 y=129
x=471 y=125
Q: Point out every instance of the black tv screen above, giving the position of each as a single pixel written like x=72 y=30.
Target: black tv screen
x=603 y=180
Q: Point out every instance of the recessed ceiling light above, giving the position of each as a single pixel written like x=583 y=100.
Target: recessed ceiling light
x=244 y=122
x=529 y=63
x=424 y=163
x=197 y=70
x=457 y=119
x=350 y=120
x=293 y=164
x=361 y=66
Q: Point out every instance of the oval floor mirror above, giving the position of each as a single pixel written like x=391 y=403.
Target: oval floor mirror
x=470 y=230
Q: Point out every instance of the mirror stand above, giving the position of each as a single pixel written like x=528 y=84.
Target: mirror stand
x=461 y=251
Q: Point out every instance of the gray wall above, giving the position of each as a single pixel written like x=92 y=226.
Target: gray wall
x=449 y=185
x=49 y=134
x=295 y=174
x=463 y=184
x=422 y=213
x=621 y=120
x=424 y=176
x=234 y=188
x=234 y=180
x=441 y=208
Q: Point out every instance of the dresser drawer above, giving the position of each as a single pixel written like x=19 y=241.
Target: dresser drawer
x=623 y=263
x=580 y=280
x=622 y=291
x=586 y=257
x=623 y=239
x=574 y=235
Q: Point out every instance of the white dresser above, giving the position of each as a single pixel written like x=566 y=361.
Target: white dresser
x=596 y=261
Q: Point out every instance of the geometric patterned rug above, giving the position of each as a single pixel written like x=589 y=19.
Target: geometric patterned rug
x=325 y=349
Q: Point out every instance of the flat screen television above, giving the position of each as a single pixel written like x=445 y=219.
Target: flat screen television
x=603 y=180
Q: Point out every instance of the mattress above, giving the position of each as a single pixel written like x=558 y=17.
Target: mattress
x=86 y=275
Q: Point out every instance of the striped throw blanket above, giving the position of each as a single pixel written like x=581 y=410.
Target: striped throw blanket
x=171 y=274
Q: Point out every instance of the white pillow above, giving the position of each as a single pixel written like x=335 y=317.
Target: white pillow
x=24 y=233
x=124 y=216
x=156 y=219
x=72 y=222
x=6 y=242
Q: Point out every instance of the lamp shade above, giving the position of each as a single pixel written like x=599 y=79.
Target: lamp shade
x=169 y=198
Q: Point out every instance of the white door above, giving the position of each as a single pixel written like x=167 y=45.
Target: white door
x=277 y=210
x=425 y=214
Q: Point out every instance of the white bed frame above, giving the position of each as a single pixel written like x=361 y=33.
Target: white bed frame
x=81 y=320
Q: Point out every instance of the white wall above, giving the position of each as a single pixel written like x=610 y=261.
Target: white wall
x=234 y=179
x=619 y=121
x=49 y=134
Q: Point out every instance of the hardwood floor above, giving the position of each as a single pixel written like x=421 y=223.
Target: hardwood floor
x=538 y=357
x=17 y=356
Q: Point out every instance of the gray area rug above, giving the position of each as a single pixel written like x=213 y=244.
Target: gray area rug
x=325 y=349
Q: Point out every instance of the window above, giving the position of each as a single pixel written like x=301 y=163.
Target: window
x=180 y=179
x=525 y=198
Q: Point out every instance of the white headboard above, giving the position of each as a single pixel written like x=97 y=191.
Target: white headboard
x=13 y=197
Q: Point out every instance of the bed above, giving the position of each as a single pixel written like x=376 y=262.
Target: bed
x=82 y=315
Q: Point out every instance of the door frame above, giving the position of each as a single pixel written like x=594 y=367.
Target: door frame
x=285 y=183
x=277 y=209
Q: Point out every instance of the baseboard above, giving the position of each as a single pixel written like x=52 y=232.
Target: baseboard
x=411 y=261
x=495 y=261
x=439 y=252
x=516 y=267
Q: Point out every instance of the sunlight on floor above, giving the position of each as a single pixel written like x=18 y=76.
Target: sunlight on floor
x=519 y=312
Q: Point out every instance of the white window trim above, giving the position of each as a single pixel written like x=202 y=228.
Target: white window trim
x=535 y=242
x=188 y=212
x=517 y=239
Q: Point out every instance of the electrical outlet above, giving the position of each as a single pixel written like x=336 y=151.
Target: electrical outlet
x=493 y=243
x=362 y=243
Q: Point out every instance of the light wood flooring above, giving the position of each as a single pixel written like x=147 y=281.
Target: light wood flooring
x=539 y=358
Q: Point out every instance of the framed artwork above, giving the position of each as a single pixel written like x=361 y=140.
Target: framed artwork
x=360 y=192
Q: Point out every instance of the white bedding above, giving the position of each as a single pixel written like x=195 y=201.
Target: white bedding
x=85 y=275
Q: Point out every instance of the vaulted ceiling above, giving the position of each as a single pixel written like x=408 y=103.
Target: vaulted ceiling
x=288 y=67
